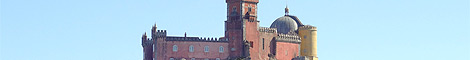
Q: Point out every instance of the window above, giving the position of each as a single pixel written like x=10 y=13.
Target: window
x=206 y=59
x=233 y=49
x=251 y=44
x=193 y=58
x=263 y=43
x=217 y=58
x=286 y=52
x=172 y=59
x=234 y=9
x=206 y=48
x=249 y=8
x=191 y=48
x=221 y=49
x=175 y=48
x=305 y=36
x=305 y=51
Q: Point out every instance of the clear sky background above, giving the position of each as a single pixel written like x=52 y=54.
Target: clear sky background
x=347 y=29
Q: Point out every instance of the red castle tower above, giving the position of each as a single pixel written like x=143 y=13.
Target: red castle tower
x=241 y=26
x=147 y=47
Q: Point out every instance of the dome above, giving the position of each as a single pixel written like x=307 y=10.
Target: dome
x=284 y=24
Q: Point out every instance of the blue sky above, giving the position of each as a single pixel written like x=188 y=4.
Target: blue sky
x=347 y=29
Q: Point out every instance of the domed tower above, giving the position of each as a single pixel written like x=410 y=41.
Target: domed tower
x=308 y=46
x=291 y=25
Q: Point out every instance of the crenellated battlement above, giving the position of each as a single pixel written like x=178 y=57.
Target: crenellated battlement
x=146 y=41
x=161 y=33
x=288 y=38
x=308 y=27
x=268 y=30
x=203 y=39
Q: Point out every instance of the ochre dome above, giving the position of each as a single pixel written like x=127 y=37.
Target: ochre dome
x=284 y=24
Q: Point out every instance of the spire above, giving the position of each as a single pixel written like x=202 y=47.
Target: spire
x=155 y=24
x=145 y=34
x=154 y=29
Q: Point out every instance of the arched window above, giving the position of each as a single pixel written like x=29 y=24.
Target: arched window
x=191 y=48
x=172 y=59
x=175 y=48
x=234 y=9
x=221 y=49
x=206 y=48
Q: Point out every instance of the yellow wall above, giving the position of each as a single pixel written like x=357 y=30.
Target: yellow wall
x=308 y=46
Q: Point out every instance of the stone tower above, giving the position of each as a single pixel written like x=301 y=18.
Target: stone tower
x=154 y=36
x=308 y=46
x=147 y=46
x=241 y=26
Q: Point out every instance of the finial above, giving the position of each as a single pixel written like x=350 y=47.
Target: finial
x=286 y=9
x=144 y=36
x=184 y=34
x=155 y=24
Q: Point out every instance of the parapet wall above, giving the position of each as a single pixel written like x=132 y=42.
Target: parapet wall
x=147 y=42
x=202 y=39
x=268 y=30
x=288 y=38
x=307 y=27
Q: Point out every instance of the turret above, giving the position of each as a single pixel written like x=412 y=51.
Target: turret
x=147 y=46
x=241 y=26
x=144 y=38
x=154 y=31
x=308 y=46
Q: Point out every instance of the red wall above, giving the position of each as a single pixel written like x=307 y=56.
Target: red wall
x=183 y=50
x=286 y=51
x=257 y=52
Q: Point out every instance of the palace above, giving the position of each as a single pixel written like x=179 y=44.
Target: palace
x=286 y=39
